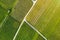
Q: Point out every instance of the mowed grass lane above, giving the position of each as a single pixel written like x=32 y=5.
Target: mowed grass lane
x=3 y=14
x=27 y=33
x=45 y=17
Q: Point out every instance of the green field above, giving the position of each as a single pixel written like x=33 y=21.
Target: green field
x=10 y=21
x=27 y=33
x=45 y=17
x=21 y=9
x=8 y=3
x=8 y=29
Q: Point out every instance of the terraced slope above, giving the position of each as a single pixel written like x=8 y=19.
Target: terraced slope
x=45 y=17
